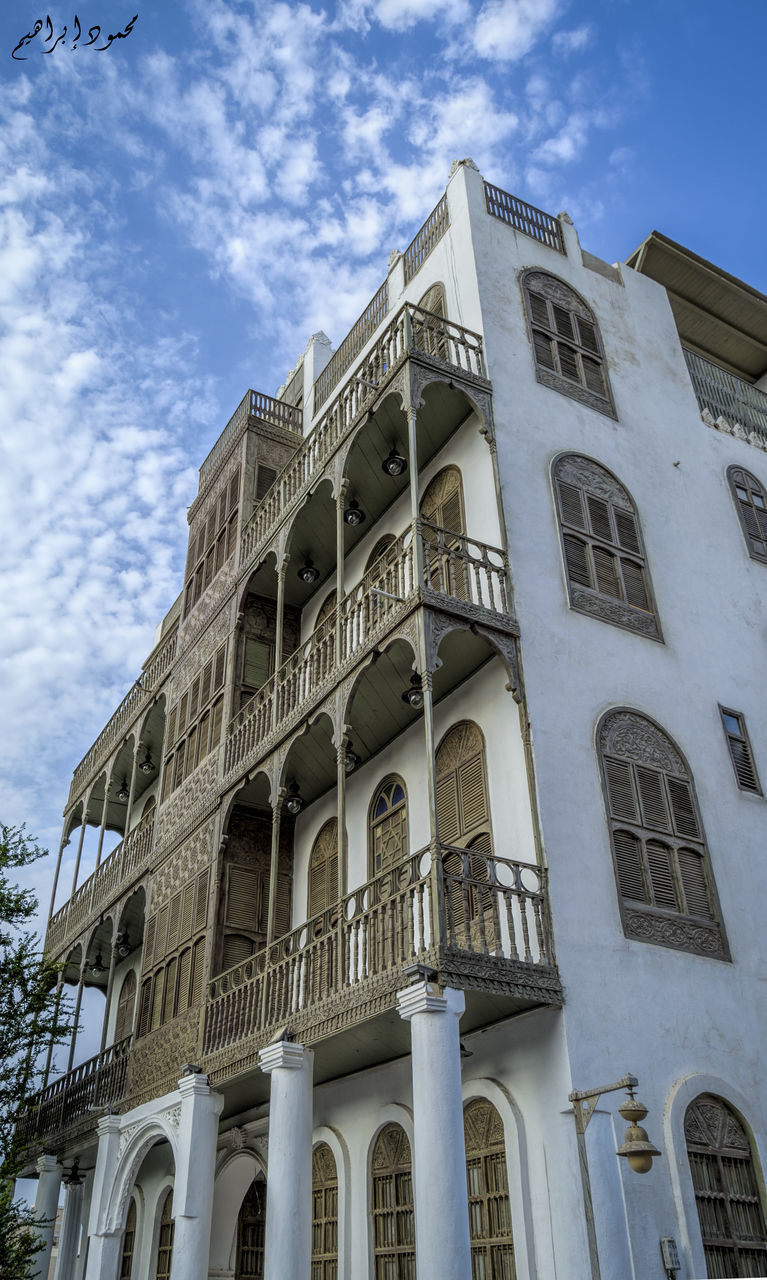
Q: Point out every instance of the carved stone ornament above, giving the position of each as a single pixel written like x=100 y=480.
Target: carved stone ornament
x=607 y=609
x=681 y=934
x=630 y=735
x=573 y=468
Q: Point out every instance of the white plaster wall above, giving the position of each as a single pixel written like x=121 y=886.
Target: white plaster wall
x=121 y=970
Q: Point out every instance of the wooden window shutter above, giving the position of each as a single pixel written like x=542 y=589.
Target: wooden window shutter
x=258 y=662
x=628 y=531
x=568 y=362
x=282 y=905
x=129 y=1238
x=173 y=921
x=620 y=790
x=442 y=502
x=751 y=502
x=207 y=676
x=169 y=1003
x=201 y=907
x=447 y=808
x=243 y=897
x=218 y=675
x=265 y=480
x=692 y=871
x=125 y=1007
x=149 y=933
x=594 y=376
x=599 y=517
x=740 y=750
x=234 y=489
x=216 y=723
x=652 y=797
x=184 y=975
x=539 y=309
x=323 y=869
x=198 y=963
x=544 y=351
x=472 y=794
x=146 y=1003
x=606 y=572
x=634 y=585
x=324 y=1213
x=237 y=949
x=158 y=990
x=577 y=561
x=492 y=1241
x=571 y=504
x=170 y=736
x=660 y=862
x=628 y=857
x=187 y=909
x=565 y=337
x=725 y=1182
x=563 y=323
x=683 y=808
x=161 y=937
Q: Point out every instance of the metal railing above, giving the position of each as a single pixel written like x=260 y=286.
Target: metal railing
x=726 y=396
x=134 y=701
x=455 y=565
x=254 y=404
x=411 y=331
x=430 y=234
x=127 y=861
x=351 y=346
x=493 y=906
x=100 y=1082
x=524 y=217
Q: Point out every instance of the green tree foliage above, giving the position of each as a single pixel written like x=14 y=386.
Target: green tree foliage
x=31 y=1017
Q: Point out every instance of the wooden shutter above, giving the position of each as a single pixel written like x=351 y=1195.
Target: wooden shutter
x=216 y=722
x=620 y=790
x=251 y=1227
x=692 y=871
x=751 y=502
x=234 y=489
x=447 y=808
x=740 y=750
x=184 y=976
x=683 y=808
x=628 y=858
x=125 y=1006
x=146 y=1004
x=173 y=921
x=158 y=990
x=392 y=1206
x=323 y=869
x=660 y=863
x=462 y=803
x=258 y=663
x=161 y=937
x=490 y=1227
x=129 y=1237
x=628 y=531
x=577 y=561
x=726 y=1187
x=265 y=480
x=472 y=794
x=198 y=962
x=442 y=502
x=282 y=904
x=653 y=798
x=149 y=933
x=220 y=668
x=324 y=1214
x=237 y=948
x=165 y=1240
x=243 y=897
x=571 y=505
x=634 y=586
x=201 y=906
x=599 y=517
x=187 y=912
x=169 y=1002
x=205 y=683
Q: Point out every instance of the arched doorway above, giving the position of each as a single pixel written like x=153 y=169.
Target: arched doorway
x=492 y=1241
x=392 y=1207
x=251 y=1223
x=730 y=1212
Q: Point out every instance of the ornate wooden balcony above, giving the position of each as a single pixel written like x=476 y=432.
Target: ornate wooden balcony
x=478 y=920
x=73 y=1101
x=96 y=894
x=725 y=396
x=470 y=574
x=411 y=332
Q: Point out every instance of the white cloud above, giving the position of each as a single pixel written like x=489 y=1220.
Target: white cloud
x=567 y=42
x=506 y=30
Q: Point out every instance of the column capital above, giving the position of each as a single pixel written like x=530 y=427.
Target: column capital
x=284 y=1053
x=195 y=1084
x=48 y=1164
x=110 y=1123
x=426 y=997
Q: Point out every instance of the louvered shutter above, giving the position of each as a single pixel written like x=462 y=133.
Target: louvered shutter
x=471 y=794
x=743 y=764
x=563 y=323
x=157 y=995
x=447 y=808
x=599 y=517
x=243 y=897
x=620 y=790
x=458 y=899
x=568 y=362
x=198 y=961
x=258 y=663
x=577 y=561
x=161 y=937
x=539 y=309
x=588 y=335
x=683 y=808
x=146 y=1002
x=544 y=350
x=634 y=585
x=692 y=872
x=234 y=489
x=628 y=858
x=606 y=572
x=237 y=949
x=660 y=862
x=266 y=478
x=571 y=504
x=187 y=910
x=652 y=797
x=216 y=723
x=282 y=904
x=171 y=732
x=207 y=676
x=169 y=1003
x=593 y=376
x=173 y=921
x=149 y=933
x=628 y=531
x=201 y=907
x=184 y=975
x=125 y=1004
x=218 y=675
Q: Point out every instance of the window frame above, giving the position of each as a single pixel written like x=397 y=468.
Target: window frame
x=391 y=779
x=721 y=1196
x=742 y=737
x=652 y=921
x=752 y=484
x=557 y=292
x=597 y=481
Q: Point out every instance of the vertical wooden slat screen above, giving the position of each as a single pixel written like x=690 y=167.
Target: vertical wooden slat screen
x=392 y=1206
x=324 y=1214
x=726 y=1185
x=490 y=1227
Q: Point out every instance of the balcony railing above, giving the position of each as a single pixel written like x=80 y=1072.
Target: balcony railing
x=100 y=1082
x=455 y=565
x=726 y=396
x=410 y=331
x=102 y=887
x=421 y=245
x=351 y=346
x=254 y=404
x=492 y=908
x=524 y=217
x=135 y=699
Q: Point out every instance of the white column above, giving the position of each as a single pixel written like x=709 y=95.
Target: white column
x=288 y=1252
x=69 y=1238
x=85 y=1215
x=104 y=1240
x=443 y=1251
x=46 y=1204
x=195 y=1176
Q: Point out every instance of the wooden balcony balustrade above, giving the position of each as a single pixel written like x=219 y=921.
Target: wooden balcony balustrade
x=98 y=1083
x=726 y=396
x=437 y=907
x=524 y=217
x=134 y=701
x=254 y=404
x=455 y=565
x=103 y=886
x=412 y=331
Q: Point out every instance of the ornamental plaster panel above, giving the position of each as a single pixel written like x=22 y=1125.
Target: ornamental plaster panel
x=184 y=863
x=196 y=796
x=628 y=734
x=199 y=645
x=156 y=1059
x=682 y=935
x=610 y=610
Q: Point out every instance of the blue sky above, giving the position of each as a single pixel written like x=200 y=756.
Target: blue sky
x=180 y=211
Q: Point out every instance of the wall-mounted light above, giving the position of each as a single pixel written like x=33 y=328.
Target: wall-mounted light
x=97 y=967
x=123 y=794
x=72 y=1178
x=354 y=514
x=294 y=802
x=351 y=760
x=636 y=1146
x=394 y=464
x=308 y=572
x=124 y=947
x=147 y=764
x=414 y=694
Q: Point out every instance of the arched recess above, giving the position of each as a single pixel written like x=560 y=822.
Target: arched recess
x=255 y=657
x=164 y=1251
x=311 y=536
x=331 y=1139
x=375 y=711
x=392 y=1204
x=251 y=1230
x=154 y=1131
x=434 y=299
x=129 y=1243
x=245 y=871
x=233 y=1180
x=725 y=1179
x=442 y=502
x=431 y=336
x=680 y=1098
x=323 y=870
x=325 y=1213
x=387 y=826
x=490 y=1222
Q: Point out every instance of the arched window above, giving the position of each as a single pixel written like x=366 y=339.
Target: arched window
x=492 y=1242
x=251 y=1224
x=388 y=826
x=393 y=1227
x=431 y=337
x=442 y=509
x=732 y=1223
x=442 y=502
x=324 y=1214
x=463 y=810
x=323 y=870
x=604 y=554
x=751 y=504
x=129 y=1241
x=380 y=549
x=434 y=299
x=566 y=341
x=165 y=1239
x=125 y=1004
x=665 y=881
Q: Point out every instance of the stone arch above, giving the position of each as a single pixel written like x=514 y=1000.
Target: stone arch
x=515 y=1142
x=352 y=689
x=146 y=1135
x=233 y=1179
x=681 y=1095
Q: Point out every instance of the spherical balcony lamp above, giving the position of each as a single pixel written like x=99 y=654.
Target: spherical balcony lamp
x=414 y=694
x=354 y=514
x=636 y=1146
x=97 y=968
x=394 y=464
x=294 y=802
x=123 y=794
x=124 y=947
x=351 y=760
x=308 y=572
x=147 y=764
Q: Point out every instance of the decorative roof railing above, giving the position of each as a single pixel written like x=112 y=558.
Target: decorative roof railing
x=127 y=861
x=351 y=346
x=411 y=331
x=254 y=404
x=444 y=906
x=134 y=701
x=727 y=396
x=422 y=244
x=524 y=217
x=82 y=1092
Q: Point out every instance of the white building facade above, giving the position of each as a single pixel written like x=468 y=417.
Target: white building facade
x=439 y=800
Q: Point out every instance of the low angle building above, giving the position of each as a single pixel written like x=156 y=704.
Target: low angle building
x=430 y=838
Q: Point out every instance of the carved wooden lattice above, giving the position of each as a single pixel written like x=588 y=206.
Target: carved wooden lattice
x=732 y=1221
x=165 y=1239
x=324 y=1214
x=492 y=1243
x=251 y=1225
x=393 y=1225
x=388 y=826
x=129 y=1240
x=661 y=860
